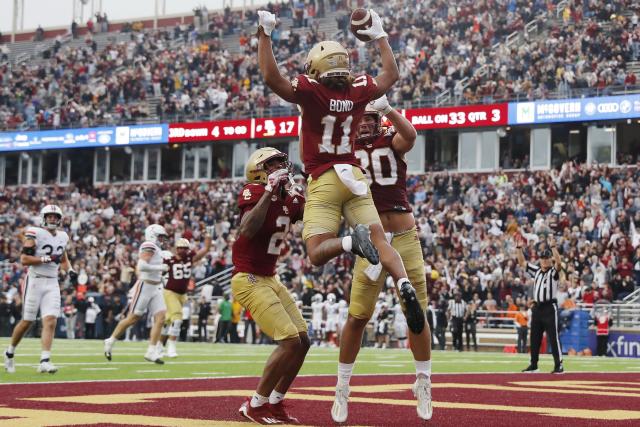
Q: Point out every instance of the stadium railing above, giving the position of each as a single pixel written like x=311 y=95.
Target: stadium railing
x=290 y=109
x=624 y=315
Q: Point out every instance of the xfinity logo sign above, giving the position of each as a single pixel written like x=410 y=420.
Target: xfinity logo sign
x=623 y=345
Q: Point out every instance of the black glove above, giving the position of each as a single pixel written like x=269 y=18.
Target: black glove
x=56 y=258
x=73 y=277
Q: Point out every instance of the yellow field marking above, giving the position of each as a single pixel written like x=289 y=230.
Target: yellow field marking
x=588 y=385
x=595 y=414
x=520 y=386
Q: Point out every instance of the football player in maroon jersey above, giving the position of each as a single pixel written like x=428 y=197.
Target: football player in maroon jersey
x=175 y=289
x=382 y=154
x=268 y=206
x=332 y=102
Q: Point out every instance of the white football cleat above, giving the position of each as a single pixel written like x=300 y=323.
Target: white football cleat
x=108 y=346
x=9 y=363
x=422 y=392
x=47 y=367
x=159 y=350
x=153 y=356
x=340 y=408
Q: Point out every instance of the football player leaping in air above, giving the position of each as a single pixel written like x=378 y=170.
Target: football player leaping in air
x=381 y=153
x=175 y=290
x=267 y=209
x=147 y=293
x=332 y=102
x=44 y=252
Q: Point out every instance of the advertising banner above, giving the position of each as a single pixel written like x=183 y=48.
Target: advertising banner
x=276 y=127
x=464 y=116
x=210 y=131
x=575 y=110
x=83 y=138
x=620 y=344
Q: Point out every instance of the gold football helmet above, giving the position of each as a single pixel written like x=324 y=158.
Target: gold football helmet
x=183 y=243
x=375 y=130
x=255 y=171
x=327 y=59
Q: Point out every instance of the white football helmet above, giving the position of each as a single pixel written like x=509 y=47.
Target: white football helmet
x=49 y=210
x=342 y=303
x=331 y=298
x=294 y=296
x=155 y=233
x=317 y=298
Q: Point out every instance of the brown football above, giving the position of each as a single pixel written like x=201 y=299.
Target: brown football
x=360 y=20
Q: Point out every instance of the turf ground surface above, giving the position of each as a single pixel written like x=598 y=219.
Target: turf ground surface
x=84 y=360
x=207 y=383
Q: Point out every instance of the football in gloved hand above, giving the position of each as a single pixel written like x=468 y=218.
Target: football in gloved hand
x=360 y=20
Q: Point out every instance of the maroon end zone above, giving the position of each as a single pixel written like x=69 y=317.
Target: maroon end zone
x=471 y=399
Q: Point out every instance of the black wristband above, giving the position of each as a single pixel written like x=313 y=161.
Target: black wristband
x=30 y=250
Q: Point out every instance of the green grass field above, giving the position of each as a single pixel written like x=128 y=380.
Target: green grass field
x=83 y=360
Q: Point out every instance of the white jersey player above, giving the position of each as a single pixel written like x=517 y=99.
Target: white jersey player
x=343 y=315
x=147 y=293
x=331 y=308
x=317 y=312
x=400 y=325
x=44 y=252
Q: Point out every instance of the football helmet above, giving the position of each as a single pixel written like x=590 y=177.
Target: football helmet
x=327 y=59
x=183 y=243
x=370 y=132
x=51 y=210
x=154 y=233
x=317 y=298
x=255 y=171
x=331 y=298
x=342 y=303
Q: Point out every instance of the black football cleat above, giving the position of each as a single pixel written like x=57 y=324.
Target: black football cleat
x=413 y=311
x=558 y=369
x=530 y=369
x=362 y=246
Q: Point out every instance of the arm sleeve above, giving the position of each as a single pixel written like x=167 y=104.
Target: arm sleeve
x=149 y=268
x=532 y=269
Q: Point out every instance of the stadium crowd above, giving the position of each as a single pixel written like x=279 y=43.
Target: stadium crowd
x=438 y=45
x=466 y=227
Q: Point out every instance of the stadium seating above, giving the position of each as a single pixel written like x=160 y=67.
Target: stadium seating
x=462 y=52
x=465 y=223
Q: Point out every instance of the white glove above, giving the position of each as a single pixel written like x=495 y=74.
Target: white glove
x=381 y=105
x=296 y=190
x=374 y=32
x=45 y=259
x=275 y=179
x=267 y=21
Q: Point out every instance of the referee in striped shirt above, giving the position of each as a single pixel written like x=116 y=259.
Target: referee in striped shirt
x=457 y=313
x=544 y=313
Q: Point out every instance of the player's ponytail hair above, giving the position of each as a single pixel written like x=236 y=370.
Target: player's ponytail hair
x=340 y=83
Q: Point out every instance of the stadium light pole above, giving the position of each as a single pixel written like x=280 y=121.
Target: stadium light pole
x=155 y=15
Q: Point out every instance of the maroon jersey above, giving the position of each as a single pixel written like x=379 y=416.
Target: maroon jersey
x=329 y=121
x=179 y=273
x=258 y=255
x=386 y=171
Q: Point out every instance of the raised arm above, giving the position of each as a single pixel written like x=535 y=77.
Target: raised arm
x=557 y=260
x=390 y=73
x=522 y=262
x=405 y=138
x=267 y=61
x=202 y=252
